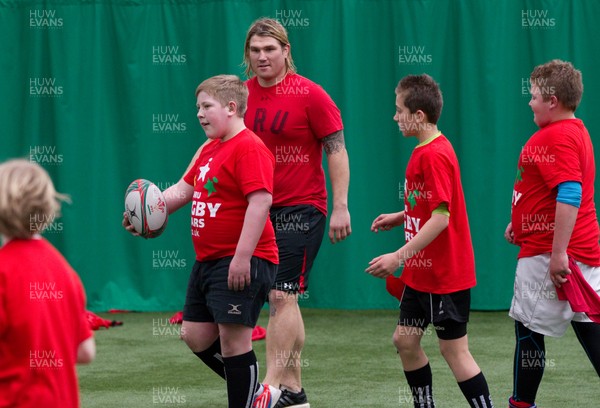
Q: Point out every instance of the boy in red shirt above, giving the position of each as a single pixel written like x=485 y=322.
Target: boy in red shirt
x=439 y=266
x=297 y=120
x=37 y=289
x=230 y=185
x=553 y=221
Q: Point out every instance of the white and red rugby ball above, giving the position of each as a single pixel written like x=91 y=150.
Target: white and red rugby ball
x=146 y=208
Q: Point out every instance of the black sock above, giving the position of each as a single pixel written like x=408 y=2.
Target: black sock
x=420 y=382
x=476 y=392
x=588 y=335
x=212 y=358
x=242 y=379
x=528 y=367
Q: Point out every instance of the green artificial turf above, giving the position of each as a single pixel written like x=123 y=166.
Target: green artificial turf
x=348 y=360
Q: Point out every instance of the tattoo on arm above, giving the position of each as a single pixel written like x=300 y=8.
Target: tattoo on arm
x=334 y=142
x=272 y=310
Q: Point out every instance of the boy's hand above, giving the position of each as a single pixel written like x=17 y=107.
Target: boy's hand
x=128 y=226
x=509 y=234
x=384 y=265
x=386 y=222
x=239 y=274
x=559 y=268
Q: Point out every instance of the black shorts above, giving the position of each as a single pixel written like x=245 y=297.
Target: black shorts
x=299 y=232
x=208 y=298
x=449 y=313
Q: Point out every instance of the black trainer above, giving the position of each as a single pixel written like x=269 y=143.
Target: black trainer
x=292 y=399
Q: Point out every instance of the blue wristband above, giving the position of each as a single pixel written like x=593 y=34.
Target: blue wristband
x=569 y=193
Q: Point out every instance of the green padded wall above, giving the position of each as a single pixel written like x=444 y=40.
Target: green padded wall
x=102 y=92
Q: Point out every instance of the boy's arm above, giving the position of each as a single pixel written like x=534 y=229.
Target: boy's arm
x=385 y=265
x=86 y=351
x=386 y=222
x=259 y=203
x=509 y=234
x=565 y=218
x=430 y=230
x=339 y=175
x=178 y=195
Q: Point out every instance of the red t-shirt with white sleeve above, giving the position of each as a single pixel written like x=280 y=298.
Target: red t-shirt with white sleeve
x=447 y=264
x=222 y=176
x=42 y=323
x=561 y=151
x=292 y=117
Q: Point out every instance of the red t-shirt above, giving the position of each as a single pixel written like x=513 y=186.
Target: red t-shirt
x=561 y=151
x=42 y=323
x=222 y=176
x=447 y=264
x=292 y=117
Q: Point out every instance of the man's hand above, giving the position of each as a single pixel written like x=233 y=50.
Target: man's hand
x=339 y=225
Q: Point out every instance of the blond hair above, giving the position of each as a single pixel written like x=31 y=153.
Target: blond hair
x=28 y=200
x=268 y=27
x=226 y=88
x=561 y=79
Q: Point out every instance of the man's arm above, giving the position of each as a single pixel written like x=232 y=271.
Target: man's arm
x=339 y=175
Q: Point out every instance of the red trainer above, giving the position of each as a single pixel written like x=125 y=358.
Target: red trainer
x=267 y=398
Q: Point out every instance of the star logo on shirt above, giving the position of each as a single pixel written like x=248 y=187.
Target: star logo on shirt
x=520 y=171
x=210 y=186
x=412 y=198
x=204 y=169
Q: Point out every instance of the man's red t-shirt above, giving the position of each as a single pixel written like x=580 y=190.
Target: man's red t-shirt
x=447 y=264
x=561 y=151
x=292 y=117
x=42 y=323
x=222 y=176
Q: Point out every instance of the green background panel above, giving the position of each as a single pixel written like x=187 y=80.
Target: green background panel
x=102 y=92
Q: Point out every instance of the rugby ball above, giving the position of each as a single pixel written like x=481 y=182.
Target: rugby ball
x=146 y=208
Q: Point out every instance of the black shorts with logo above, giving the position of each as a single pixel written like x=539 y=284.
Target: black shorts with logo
x=209 y=299
x=449 y=313
x=299 y=232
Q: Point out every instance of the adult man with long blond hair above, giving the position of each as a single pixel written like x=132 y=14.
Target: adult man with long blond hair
x=297 y=120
